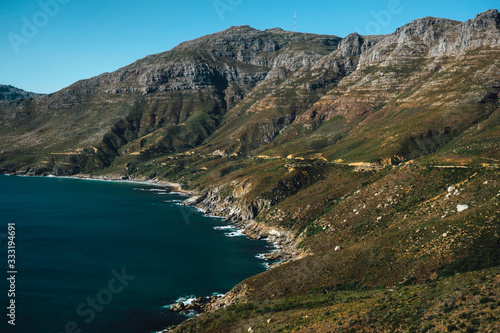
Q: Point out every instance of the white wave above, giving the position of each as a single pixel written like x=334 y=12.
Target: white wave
x=93 y=179
x=191 y=314
x=217 y=294
x=150 y=189
x=237 y=233
x=186 y=300
x=261 y=256
x=225 y=227
x=179 y=193
x=173 y=201
x=215 y=216
x=267 y=266
x=233 y=230
x=158 y=191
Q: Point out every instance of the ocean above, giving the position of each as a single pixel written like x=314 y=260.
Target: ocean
x=98 y=256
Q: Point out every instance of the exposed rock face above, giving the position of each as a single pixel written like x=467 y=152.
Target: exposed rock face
x=354 y=45
x=232 y=207
x=411 y=73
x=482 y=31
x=236 y=208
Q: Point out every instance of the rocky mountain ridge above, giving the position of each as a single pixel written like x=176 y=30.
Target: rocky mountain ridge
x=268 y=90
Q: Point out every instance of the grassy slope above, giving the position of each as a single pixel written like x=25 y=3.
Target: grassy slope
x=462 y=303
x=395 y=227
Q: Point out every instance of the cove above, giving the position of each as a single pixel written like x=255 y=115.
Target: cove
x=96 y=256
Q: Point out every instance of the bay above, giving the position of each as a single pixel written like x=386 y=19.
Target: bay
x=103 y=256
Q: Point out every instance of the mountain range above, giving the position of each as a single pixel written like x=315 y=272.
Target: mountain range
x=429 y=89
x=371 y=161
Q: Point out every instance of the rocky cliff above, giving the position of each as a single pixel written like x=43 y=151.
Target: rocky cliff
x=165 y=103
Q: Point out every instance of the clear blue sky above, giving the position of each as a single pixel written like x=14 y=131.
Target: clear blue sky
x=45 y=45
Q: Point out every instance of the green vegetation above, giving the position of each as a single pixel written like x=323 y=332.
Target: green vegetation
x=446 y=305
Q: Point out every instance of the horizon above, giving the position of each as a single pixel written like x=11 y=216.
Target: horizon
x=51 y=44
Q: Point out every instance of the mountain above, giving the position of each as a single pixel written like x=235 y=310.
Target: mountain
x=276 y=93
x=164 y=103
x=11 y=93
x=370 y=161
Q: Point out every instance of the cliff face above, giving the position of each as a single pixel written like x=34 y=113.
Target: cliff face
x=414 y=92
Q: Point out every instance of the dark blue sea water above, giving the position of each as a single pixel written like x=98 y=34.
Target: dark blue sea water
x=94 y=256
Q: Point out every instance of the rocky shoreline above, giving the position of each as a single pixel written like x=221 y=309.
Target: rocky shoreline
x=242 y=216
x=236 y=212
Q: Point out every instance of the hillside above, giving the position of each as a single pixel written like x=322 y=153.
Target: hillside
x=371 y=162
x=429 y=89
x=12 y=93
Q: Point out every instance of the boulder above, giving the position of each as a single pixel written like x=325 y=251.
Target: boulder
x=178 y=307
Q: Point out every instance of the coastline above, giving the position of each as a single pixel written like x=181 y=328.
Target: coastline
x=285 y=244
x=174 y=187
x=283 y=241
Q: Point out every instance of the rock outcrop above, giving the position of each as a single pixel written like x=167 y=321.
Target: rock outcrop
x=235 y=208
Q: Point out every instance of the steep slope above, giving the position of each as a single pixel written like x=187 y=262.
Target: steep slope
x=411 y=94
x=272 y=106
x=430 y=87
x=163 y=103
x=367 y=232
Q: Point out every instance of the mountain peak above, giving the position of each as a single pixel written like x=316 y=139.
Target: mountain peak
x=488 y=18
x=238 y=29
x=491 y=13
x=351 y=45
x=277 y=29
x=420 y=26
